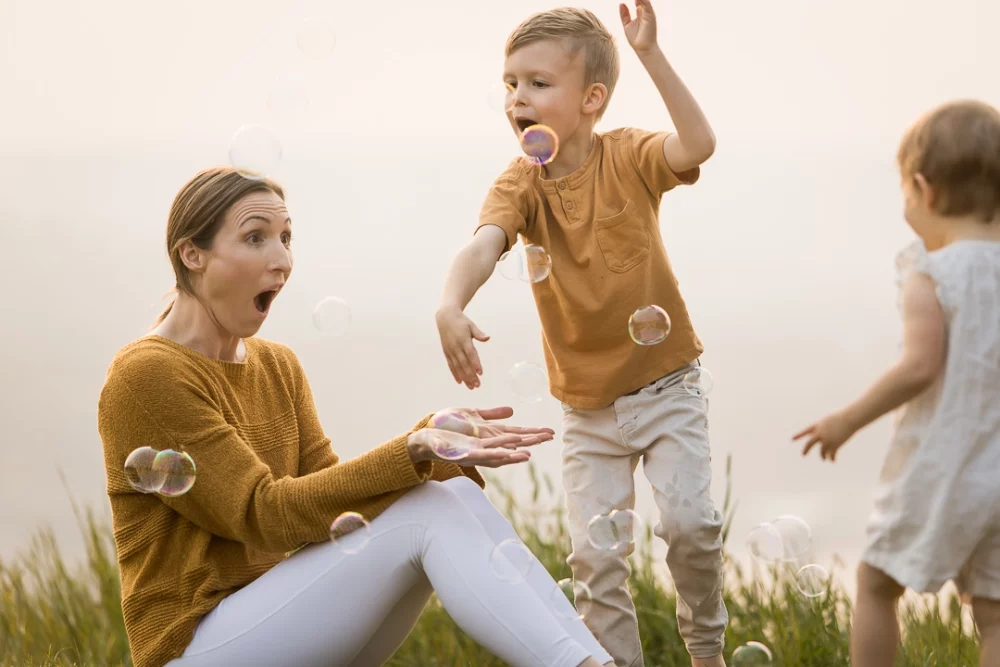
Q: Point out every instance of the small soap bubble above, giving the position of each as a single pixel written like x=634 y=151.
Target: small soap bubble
x=332 y=316
x=537 y=262
x=511 y=561
x=178 y=471
x=614 y=530
x=540 y=143
x=513 y=263
x=254 y=152
x=751 y=654
x=354 y=525
x=528 y=381
x=140 y=473
x=812 y=580
x=288 y=98
x=451 y=446
x=456 y=421
x=698 y=381
x=796 y=536
x=500 y=97
x=649 y=325
x=572 y=591
x=764 y=543
x=316 y=39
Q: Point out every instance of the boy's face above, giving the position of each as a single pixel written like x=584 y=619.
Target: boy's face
x=545 y=85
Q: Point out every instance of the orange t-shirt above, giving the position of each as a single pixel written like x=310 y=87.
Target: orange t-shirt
x=600 y=226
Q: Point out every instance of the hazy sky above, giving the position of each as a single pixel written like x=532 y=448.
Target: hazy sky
x=784 y=249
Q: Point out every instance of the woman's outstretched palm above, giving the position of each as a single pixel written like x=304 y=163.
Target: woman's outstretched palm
x=495 y=444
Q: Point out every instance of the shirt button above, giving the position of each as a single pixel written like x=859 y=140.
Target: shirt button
x=562 y=185
x=569 y=206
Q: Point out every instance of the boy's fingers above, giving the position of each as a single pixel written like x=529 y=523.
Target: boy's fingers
x=802 y=432
x=478 y=334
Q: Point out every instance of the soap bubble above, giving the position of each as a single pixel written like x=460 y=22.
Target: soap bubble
x=540 y=143
x=698 y=381
x=812 y=580
x=350 y=532
x=254 y=152
x=751 y=654
x=614 y=530
x=796 y=536
x=649 y=325
x=528 y=381
x=573 y=591
x=139 y=470
x=451 y=446
x=511 y=561
x=178 y=472
x=527 y=263
x=456 y=421
x=764 y=543
x=332 y=316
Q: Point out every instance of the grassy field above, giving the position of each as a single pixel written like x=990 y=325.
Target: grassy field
x=52 y=613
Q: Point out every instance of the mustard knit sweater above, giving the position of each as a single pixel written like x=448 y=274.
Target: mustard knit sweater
x=267 y=480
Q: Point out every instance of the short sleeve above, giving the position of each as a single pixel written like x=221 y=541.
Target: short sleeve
x=646 y=149
x=508 y=205
x=914 y=259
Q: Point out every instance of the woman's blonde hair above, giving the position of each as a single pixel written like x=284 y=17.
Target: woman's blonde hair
x=198 y=212
x=956 y=148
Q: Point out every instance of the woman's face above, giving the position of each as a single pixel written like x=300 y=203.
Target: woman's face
x=247 y=264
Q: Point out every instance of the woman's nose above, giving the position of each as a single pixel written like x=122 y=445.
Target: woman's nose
x=281 y=259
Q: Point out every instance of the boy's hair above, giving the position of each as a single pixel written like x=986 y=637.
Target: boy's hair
x=582 y=30
x=956 y=147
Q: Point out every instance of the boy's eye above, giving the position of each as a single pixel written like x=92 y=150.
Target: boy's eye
x=540 y=84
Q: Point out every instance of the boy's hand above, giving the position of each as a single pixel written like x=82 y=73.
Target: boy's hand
x=457 y=332
x=640 y=31
x=831 y=433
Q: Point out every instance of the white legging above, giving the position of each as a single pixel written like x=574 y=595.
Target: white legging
x=323 y=607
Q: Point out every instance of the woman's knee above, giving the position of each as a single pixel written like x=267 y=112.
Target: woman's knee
x=466 y=489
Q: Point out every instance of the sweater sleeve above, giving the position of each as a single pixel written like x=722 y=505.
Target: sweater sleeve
x=235 y=495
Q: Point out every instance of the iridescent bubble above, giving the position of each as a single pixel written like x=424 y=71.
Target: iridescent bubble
x=812 y=580
x=332 y=316
x=538 y=263
x=751 y=654
x=540 y=143
x=451 y=446
x=139 y=470
x=796 y=536
x=513 y=263
x=254 y=152
x=500 y=97
x=573 y=591
x=354 y=525
x=511 y=561
x=649 y=325
x=316 y=39
x=698 y=381
x=178 y=472
x=614 y=530
x=456 y=421
x=764 y=543
x=528 y=381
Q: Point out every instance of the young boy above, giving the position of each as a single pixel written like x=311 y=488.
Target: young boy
x=595 y=210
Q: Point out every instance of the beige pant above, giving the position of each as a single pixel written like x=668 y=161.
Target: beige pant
x=668 y=428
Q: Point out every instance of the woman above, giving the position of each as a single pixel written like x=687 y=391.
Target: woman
x=206 y=579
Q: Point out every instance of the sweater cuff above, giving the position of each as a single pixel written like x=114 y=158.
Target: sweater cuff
x=423 y=422
x=413 y=473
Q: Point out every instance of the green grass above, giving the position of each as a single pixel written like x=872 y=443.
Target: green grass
x=52 y=614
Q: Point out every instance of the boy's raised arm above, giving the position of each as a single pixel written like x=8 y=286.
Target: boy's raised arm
x=471 y=268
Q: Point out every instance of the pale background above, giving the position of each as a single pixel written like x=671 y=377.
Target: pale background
x=784 y=249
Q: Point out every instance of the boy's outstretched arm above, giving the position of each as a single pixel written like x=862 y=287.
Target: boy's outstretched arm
x=693 y=142
x=471 y=268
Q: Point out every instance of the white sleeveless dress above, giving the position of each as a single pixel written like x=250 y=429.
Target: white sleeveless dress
x=937 y=503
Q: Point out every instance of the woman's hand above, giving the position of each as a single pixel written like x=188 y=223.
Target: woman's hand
x=469 y=437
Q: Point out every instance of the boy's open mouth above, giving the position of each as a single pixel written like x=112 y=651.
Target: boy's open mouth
x=263 y=300
x=524 y=123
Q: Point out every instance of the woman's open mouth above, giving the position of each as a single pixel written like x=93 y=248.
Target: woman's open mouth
x=263 y=300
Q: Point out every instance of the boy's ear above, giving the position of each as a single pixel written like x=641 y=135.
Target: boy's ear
x=928 y=195
x=594 y=98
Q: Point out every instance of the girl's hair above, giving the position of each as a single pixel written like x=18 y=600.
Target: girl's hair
x=197 y=214
x=956 y=147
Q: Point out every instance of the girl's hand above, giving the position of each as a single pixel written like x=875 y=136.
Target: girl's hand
x=830 y=433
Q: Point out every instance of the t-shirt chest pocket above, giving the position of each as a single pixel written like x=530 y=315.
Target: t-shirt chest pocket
x=623 y=239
